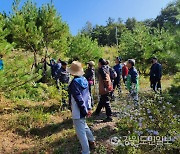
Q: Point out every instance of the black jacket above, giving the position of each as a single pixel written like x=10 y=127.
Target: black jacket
x=134 y=75
x=156 y=72
x=63 y=76
x=89 y=74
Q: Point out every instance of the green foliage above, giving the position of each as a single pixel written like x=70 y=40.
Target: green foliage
x=55 y=32
x=4 y=45
x=168 y=15
x=143 y=42
x=31 y=119
x=84 y=49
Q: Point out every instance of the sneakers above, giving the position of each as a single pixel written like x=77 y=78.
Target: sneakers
x=108 y=119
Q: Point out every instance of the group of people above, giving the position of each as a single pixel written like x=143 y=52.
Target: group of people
x=109 y=79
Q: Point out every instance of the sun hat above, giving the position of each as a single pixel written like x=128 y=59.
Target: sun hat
x=76 y=69
x=92 y=63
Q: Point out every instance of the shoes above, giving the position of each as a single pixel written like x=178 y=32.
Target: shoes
x=108 y=119
x=92 y=145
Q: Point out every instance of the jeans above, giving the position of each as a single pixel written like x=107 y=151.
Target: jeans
x=84 y=134
x=104 y=102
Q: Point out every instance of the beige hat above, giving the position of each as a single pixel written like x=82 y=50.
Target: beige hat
x=76 y=69
x=92 y=63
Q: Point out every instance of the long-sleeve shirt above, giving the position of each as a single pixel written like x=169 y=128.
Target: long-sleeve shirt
x=156 y=71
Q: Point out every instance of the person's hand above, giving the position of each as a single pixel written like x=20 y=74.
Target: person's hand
x=89 y=113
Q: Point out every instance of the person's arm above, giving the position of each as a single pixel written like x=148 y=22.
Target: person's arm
x=159 y=71
x=75 y=92
x=49 y=64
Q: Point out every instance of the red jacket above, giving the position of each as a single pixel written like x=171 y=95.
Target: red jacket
x=124 y=71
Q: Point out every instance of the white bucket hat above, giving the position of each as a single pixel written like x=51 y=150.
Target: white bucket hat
x=76 y=69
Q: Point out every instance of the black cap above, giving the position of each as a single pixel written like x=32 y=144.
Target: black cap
x=102 y=61
x=154 y=58
x=119 y=59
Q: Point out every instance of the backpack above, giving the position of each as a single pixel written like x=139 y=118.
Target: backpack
x=113 y=73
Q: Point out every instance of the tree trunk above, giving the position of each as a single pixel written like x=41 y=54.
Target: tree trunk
x=35 y=59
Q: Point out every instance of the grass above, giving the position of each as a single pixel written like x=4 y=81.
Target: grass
x=42 y=127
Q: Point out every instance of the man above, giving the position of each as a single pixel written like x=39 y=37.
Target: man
x=64 y=80
x=132 y=82
x=53 y=67
x=80 y=102
x=105 y=88
x=155 y=75
x=118 y=69
x=57 y=70
x=63 y=74
x=1 y=62
x=124 y=72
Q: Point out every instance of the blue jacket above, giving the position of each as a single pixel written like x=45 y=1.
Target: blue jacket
x=53 y=69
x=1 y=64
x=133 y=75
x=63 y=75
x=79 y=97
x=118 y=69
x=57 y=70
x=156 y=72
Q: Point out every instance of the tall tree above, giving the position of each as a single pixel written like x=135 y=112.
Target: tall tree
x=130 y=23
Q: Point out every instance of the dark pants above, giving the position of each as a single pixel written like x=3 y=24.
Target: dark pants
x=90 y=91
x=156 y=84
x=104 y=102
x=124 y=79
x=117 y=83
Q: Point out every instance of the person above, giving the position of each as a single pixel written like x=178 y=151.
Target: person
x=118 y=69
x=105 y=88
x=80 y=102
x=57 y=71
x=52 y=64
x=155 y=75
x=1 y=62
x=63 y=74
x=124 y=72
x=90 y=76
x=132 y=82
x=113 y=75
x=42 y=66
x=64 y=77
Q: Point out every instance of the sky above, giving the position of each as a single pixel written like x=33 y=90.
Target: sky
x=77 y=12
